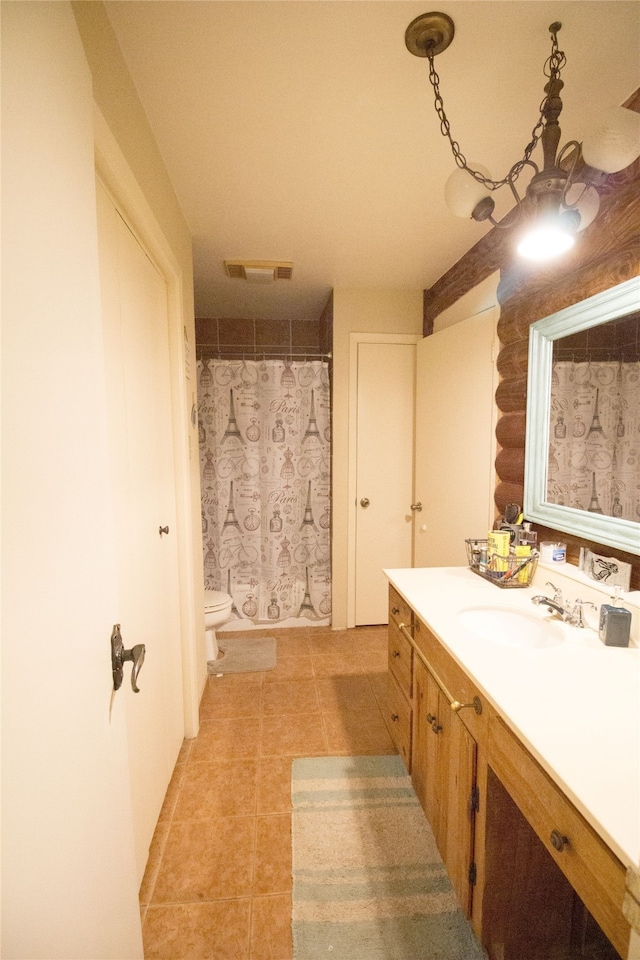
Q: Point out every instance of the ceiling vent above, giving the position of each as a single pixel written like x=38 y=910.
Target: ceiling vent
x=259 y=271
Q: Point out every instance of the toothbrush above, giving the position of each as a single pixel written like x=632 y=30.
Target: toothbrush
x=510 y=574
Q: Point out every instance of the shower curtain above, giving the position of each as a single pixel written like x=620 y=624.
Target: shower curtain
x=264 y=469
x=594 y=446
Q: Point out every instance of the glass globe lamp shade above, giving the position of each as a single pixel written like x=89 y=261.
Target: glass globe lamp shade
x=587 y=203
x=614 y=141
x=462 y=192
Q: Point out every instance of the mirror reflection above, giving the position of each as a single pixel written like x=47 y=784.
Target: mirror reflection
x=594 y=428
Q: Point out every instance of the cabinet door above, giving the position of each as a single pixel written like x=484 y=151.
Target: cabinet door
x=443 y=773
x=461 y=810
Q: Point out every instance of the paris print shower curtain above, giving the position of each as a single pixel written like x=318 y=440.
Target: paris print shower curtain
x=265 y=479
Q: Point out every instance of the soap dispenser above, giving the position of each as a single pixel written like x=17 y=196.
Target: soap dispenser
x=615 y=622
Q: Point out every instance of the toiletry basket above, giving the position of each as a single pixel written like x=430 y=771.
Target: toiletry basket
x=506 y=572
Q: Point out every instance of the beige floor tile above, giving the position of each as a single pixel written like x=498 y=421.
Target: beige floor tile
x=226 y=739
x=222 y=788
x=293 y=736
x=274 y=785
x=230 y=700
x=198 y=931
x=358 y=733
x=380 y=685
x=290 y=697
x=337 y=664
x=332 y=643
x=292 y=644
x=346 y=693
x=299 y=667
x=206 y=860
x=271 y=928
x=273 y=856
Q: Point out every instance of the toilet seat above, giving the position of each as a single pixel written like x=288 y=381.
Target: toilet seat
x=215 y=600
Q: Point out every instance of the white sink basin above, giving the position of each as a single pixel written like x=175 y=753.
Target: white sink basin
x=510 y=628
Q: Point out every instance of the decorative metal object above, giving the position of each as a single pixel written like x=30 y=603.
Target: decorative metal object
x=558 y=202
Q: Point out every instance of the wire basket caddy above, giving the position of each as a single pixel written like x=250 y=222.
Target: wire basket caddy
x=504 y=571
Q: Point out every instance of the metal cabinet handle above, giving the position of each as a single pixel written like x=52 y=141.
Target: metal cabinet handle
x=431 y=717
x=395 y=654
x=119 y=655
x=416 y=507
x=436 y=727
x=476 y=703
x=365 y=502
x=162 y=530
x=558 y=841
x=394 y=717
x=395 y=611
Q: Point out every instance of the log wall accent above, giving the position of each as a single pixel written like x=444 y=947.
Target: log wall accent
x=605 y=254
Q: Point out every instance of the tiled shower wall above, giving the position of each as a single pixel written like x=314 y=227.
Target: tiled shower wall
x=265 y=338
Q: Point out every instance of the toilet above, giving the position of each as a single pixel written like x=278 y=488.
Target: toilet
x=217 y=610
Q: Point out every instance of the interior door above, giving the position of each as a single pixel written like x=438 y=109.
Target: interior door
x=384 y=482
x=454 y=453
x=136 y=341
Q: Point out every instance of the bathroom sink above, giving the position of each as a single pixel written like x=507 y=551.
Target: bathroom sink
x=510 y=628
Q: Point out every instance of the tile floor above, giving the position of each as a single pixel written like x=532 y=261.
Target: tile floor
x=218 y=882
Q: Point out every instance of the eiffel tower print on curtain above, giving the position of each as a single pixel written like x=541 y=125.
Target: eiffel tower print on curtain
x=307 y=520
x=312 y=426
x=233 y=430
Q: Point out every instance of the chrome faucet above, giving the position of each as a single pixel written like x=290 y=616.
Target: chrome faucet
x=569 y=613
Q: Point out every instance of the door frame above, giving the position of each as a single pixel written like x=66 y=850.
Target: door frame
x=355 y=339
x=116 y=176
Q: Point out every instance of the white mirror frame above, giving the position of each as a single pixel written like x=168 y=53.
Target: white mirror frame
x=616 y=302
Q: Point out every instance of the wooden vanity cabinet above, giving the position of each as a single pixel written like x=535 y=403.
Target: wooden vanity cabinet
x=497 y=817
x=590 y=867
x=399 y=709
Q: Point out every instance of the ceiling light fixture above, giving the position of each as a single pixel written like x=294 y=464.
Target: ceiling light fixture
x=557 y=203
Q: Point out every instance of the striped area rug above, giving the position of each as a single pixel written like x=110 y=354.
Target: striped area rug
x=368 y=881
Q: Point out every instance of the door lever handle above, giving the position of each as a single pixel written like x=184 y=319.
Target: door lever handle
x=119 y=655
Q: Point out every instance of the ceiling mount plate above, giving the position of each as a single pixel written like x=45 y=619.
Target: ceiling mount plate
x=429 y=34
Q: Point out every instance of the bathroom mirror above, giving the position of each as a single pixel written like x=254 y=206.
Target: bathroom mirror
x=582 y=453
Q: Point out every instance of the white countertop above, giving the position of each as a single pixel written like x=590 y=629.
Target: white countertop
x=575 y=706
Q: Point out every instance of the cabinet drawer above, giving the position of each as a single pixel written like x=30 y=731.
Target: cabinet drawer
x=400 y=659
x=594 y=872
x=399 y=609
x=398 y=719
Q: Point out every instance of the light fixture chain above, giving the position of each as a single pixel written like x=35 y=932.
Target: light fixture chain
x=552 y=69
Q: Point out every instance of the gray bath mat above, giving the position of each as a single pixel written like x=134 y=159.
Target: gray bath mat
x=244 y=655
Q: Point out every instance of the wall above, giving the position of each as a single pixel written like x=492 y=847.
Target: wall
x=357 y=311
x=264 y=338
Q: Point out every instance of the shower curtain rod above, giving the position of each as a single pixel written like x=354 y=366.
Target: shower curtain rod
x=267 y=356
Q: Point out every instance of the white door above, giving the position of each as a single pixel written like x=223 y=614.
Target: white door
x=69 y=886
x=384 y=482
x=137 y=351
x=454 y=472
